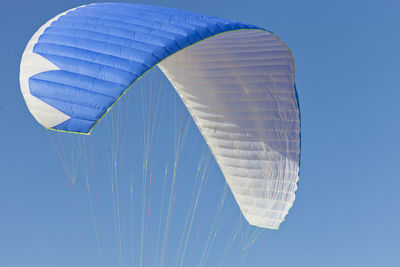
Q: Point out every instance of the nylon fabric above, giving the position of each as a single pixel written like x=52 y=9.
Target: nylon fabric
x=246 y=109
x=236 y=79
x=102 y=49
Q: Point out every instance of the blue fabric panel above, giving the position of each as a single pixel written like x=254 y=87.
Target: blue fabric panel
x=94 y=85
x=78 y=125
x=101 y=49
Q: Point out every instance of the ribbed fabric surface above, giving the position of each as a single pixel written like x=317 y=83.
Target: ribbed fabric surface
x=237 y=81
x=101 y=49
x=239 y=88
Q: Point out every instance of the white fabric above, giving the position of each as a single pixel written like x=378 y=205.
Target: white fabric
x=239 y=88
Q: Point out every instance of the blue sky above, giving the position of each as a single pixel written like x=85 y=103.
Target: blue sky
x=347 y=210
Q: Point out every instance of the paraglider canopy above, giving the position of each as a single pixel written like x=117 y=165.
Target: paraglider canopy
x=236 y=80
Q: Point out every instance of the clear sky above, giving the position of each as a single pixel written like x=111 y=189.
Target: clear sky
x=347 y=211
